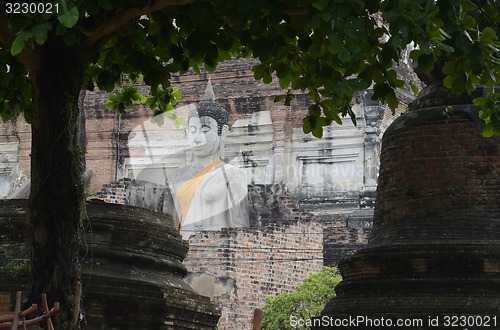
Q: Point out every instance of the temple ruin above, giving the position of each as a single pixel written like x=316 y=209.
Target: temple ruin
x=310 y=200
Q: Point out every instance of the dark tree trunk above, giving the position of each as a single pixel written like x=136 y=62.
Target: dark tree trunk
x=56 y=200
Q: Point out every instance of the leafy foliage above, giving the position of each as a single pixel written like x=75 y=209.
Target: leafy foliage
x=307 y=301
x=16 y=269
x=331 y=49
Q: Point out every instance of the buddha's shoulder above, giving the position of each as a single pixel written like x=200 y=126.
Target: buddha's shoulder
x=181 y=174
x=234 y=171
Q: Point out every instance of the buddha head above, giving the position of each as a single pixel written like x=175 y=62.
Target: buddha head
x=207 y=125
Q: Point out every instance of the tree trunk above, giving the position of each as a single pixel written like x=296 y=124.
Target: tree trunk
x=56 y=201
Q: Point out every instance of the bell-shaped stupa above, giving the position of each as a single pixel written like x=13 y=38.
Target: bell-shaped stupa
x=434 y=251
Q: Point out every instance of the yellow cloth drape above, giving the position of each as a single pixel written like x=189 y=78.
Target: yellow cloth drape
x=185 y=192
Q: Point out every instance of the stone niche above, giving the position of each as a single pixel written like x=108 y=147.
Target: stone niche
x=132 y=269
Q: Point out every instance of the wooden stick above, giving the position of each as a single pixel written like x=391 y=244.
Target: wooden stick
x=17 y=311
x=13 y=322
x=10 y=318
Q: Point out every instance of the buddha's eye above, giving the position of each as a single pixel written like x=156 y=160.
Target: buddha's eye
x=192 y=129
x=205 y=128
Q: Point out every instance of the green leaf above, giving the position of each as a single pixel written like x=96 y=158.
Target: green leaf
x=366 y=76
x=469 y=22
x=308 y=125
x=211 y=57
x=27 y=115
x=317 y=131
x=488 y=35
x=426 y=62
x=352 y=115
x=332 y=114
x=415 y=54
x=289 y=98
x=459 y=83
x=258 y=71
x=106 y=81
x=152 y=78
x=179 y=122
x=69 y=16
x=326 y=16
x=285 y=81
x=479 y=101
x=468 y=5
x=321 y=5
x=6 y=116
x=279 y=98
x=358 y=84
x=335 y=45
x=393 y=80
x=158 y=120
x=154 y=29
x=314 y=110
x=281 y=69
x=344 y=55
x=448 y=81
x=267 y=78
x=18 y=44
x=392 y=100
x=175 y=93
x=449 y=68
x=444 y=46
x=389 y=52
x=40 y=32
x=488 y=130
x=414 y=88
x=381 y=91
x=323 y=121
x=19 y=22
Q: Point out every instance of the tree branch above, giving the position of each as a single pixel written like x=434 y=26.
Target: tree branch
x=105 y=30
x=7 y=37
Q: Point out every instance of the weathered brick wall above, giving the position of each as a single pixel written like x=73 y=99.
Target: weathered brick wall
x=262 y=262
x=18 y=131
x=344 y=234
x=101 y=130
x=114 y=192
x=439 y=167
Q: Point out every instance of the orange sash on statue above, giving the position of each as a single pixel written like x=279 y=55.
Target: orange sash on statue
x=185 y=192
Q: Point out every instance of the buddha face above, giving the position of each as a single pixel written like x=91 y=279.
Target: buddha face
x=202 y=136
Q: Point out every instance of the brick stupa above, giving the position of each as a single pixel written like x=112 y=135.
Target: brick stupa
x=434 y=251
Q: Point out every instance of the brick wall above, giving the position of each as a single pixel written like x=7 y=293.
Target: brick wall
x=262 y=262
x=18 y=131
x=439 y=167
x=114 y=192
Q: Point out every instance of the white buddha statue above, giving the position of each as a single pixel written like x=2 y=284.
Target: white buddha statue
x=208 y=194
